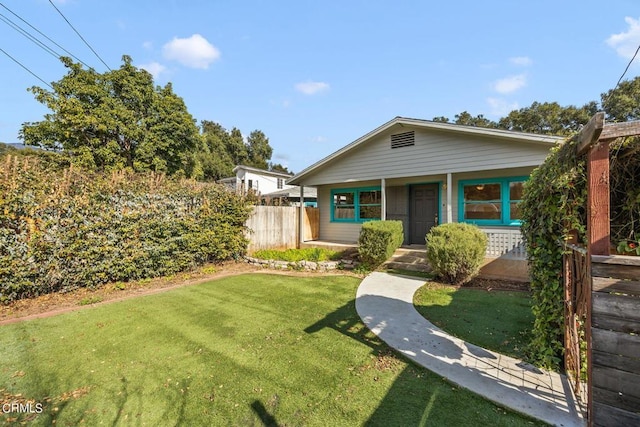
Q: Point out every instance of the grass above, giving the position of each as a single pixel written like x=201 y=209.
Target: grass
x=248 y=350
x=295 y=255
x=497 y=320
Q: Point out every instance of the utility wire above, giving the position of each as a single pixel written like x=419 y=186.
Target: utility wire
x=28 y=70
x=16 y=27
x=45 y=36
x=79 y=35
x=628 y=65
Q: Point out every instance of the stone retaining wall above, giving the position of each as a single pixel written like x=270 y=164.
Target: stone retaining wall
x=301 y=265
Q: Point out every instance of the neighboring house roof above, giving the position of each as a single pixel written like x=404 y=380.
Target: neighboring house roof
x=400 y=122
x=261 y=171
x=294 y=192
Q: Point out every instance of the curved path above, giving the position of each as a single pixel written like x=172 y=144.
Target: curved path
x=385 y=304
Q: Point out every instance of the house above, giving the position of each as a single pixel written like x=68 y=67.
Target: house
x=424 y=173
x=268 y=185
x=261 y=181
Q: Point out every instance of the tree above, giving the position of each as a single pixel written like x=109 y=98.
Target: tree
x=236 y=148
x=467 y=119
x=258 y=149
x=212 y=156
x=115 y=119
x=549 y=118
x=622 y=103
x=277 y=167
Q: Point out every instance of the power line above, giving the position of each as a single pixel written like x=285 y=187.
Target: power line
x=628 y=65
x=79 y=35
x=23 y=66
x=26 y=34
x=45 y=36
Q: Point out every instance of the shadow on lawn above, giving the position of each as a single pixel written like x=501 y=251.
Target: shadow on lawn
x=417 y=396
x=411 y=398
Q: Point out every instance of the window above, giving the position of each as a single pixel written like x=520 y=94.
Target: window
x=250 y=184
x=491 y=201
x=356 y=204
x=280 y=183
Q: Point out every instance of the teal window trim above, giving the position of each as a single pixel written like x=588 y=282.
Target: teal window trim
x=505 y=217
x=356 y=204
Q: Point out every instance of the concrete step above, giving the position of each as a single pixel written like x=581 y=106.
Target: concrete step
x=408 y=259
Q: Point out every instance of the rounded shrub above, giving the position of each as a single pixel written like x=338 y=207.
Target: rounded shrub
x=455 y=251
x=378 y=241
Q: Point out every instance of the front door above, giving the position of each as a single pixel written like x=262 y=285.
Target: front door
x=423 y=212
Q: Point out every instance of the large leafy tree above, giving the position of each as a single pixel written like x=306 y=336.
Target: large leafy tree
x=622 y=104
x=548 y=118
x=115 y=119
x=223 y=149
x=258 y=149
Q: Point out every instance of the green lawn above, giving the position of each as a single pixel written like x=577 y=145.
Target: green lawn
x=496 y=320
x=248 y=350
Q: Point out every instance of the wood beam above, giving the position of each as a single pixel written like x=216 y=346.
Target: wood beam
x=619 y=130
x=598 y=209
x=590 y=133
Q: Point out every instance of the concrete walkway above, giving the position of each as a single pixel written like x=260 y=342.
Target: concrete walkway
x=385 y=304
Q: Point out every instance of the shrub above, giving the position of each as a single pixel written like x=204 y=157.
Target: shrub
x=63 y=228
x=295 y=255
x=378 y=241
x=455 y=251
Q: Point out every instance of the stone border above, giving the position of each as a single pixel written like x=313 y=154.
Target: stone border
x=345 y=264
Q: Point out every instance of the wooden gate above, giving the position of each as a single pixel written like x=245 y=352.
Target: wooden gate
x=615 y=337
x=577 y=286
x=602 y=296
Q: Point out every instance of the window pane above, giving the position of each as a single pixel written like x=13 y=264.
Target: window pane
x=370 y=197
x=515 y=190
x=483 y=210
x=481 y=192
x=344 y=212
x=370 y=212
x=343 y=199
x=515 y=214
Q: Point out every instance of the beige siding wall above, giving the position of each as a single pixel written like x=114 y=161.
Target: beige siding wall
x=434 y=152
x=398 y=203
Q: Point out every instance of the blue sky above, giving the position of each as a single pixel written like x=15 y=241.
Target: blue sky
x=314 y=76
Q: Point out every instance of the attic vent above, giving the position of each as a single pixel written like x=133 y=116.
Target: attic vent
x=404 y=139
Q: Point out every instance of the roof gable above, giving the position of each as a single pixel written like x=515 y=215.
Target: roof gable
x=444 y=133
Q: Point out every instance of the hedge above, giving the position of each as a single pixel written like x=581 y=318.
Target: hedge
x=378 y=241
x=62 y=228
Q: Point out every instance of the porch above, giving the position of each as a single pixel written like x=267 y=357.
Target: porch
x=511 y=264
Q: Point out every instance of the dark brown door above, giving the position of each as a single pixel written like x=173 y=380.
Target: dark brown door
x=424 y=211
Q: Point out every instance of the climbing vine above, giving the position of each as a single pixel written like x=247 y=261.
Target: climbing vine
x=554 y=204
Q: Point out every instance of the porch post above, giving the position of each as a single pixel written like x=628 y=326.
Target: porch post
x=449 y=192
x=301 y=218
x=383 y=207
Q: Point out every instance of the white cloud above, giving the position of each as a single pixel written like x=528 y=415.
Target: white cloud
x=626 y=43
x=311 y=88
x=318 y=139
x=193 y=52
x=523 y=61
x=154 y=68
x=501 y=107
x=147 y=45
x=510 y=84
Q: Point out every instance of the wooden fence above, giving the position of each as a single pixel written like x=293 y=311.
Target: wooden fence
x=276 y=227
x=615 y=335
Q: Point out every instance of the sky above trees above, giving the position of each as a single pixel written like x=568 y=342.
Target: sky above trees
x=314 y=76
